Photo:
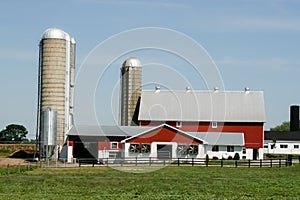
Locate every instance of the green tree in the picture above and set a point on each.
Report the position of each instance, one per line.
(14, 133)
(285, 126)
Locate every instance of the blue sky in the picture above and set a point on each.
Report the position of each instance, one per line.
(254, 44)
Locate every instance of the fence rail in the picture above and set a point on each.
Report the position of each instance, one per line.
(187, 162)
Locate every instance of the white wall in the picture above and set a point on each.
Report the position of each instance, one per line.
(278, 147)
(70, 154)
(222, 153)
(203, 150)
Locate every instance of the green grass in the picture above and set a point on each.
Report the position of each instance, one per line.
(16, 169)
(167, 183)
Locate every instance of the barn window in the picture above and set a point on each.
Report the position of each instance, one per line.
(244, 151)
(214, 125)
(182, 149)
(230, 148)
(146, 148)
(296, 146)
(215, 148)
(193, 149)
(134, 148)
(283, 146)
(178, 124)
(114, 145)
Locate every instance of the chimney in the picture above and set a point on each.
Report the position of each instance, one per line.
(294, 118)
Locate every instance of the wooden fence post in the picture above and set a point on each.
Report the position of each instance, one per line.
(279, 162)
(260, 163)
(192, 161)
(221, 162)
(249, 163)
(178, 163)
(271, 163)
(236, 164)
(149, 161)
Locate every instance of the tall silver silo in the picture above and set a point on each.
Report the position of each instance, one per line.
(131, 89)
(48, 133)
(56, 80)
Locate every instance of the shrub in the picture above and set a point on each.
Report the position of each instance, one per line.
(236, 156)
(229, 158)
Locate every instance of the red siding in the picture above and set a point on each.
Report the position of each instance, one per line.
(253, 132)
(107, 146)
(71, 143)
(164, 134)
(103, 145)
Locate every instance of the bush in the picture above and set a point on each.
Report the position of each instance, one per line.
(229, 158)
(236, 156)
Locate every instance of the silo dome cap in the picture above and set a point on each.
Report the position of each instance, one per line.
(56, 34)
(132, 62)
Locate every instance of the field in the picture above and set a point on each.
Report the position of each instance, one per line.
(167, 183)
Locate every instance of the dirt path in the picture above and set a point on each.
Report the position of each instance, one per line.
(11, 162)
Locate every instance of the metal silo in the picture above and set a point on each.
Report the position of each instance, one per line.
(131, 84)
(56, 80)
(48, 133)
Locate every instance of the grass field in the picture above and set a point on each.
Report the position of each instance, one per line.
(166, 183)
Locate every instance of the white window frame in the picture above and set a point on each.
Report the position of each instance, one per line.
(178, 124)
(111, 145)
(214, 124)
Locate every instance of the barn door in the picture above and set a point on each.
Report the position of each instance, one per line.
(164, 151)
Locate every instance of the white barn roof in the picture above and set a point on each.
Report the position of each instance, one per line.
(218, 138)
(220, 106)
(123, 131)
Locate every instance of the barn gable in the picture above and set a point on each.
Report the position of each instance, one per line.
(164, 133)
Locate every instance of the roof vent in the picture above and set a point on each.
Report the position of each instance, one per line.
(188, 88)
(157, 88)
(247, 90)
(216, 89)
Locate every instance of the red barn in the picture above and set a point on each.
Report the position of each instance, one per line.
(180, 124)
(159, 142)
(208, 111)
